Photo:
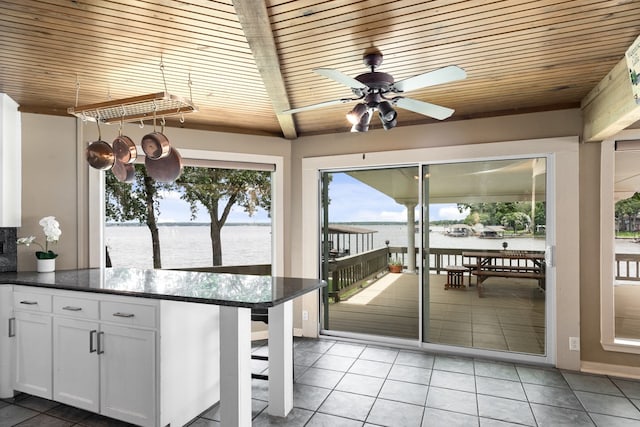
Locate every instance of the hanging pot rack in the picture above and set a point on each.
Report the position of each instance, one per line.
(143, 107)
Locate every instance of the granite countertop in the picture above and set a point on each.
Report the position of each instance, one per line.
(209, 288)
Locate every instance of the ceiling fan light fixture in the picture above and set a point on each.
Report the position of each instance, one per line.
(363, 124)
(387, 113)
(355, 116)
(388, 124)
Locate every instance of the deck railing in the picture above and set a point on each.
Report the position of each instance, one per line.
(628, 267)
(352, 271)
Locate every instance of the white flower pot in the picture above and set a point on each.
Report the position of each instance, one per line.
(45, 265)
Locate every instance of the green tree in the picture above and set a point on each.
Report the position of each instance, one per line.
(627, 212)
(136, 201)
(218, 190)
(516, 220)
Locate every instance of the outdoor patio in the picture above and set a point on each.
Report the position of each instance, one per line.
(510, 316)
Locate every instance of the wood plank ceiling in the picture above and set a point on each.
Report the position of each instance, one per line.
(247, 61)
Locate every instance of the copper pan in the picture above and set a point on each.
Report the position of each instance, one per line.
(166, 169)
(125, 149)
(155, 145)
(124, 172)
(100, 155)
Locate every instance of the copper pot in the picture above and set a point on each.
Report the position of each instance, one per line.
(125, 149)
(100, 155)
(124, 172)
(166, 169)
(155, 146)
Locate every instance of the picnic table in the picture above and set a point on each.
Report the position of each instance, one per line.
(515, 264)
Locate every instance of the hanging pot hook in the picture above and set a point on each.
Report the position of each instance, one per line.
(98, 124)
(155, 109)
(121, 123)
(141, 124)
(181, 117)
(162, 123)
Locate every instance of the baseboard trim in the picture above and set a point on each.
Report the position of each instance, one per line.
(621, 371)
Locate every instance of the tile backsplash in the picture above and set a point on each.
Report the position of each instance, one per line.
(8, 249)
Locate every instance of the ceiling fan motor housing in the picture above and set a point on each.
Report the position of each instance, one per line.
(376, 80)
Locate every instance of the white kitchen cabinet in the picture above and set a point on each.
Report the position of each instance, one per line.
(144, 361)
(6, 341)
(127, 374)
(101, 366)
(10, 163)
(76, 369)
(32, 343)
(33, 372)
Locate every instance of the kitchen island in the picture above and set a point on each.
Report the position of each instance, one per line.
(171, 305)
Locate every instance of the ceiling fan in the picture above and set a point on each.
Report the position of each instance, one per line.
(375, 91)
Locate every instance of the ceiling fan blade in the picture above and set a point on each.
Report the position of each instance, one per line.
(430, 78)
(425, 108)
(320, 105)
(340, 77)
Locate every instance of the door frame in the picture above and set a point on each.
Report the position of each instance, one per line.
(563, 232)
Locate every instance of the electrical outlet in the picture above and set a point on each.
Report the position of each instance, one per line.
(574, 343)
(305, 315)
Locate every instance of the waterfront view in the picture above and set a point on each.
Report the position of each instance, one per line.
(245, 244)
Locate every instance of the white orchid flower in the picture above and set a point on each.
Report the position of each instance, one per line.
(52, 233)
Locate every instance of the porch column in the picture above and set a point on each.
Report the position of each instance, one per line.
(411, 237)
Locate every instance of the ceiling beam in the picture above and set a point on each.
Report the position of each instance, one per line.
(610, 106)
(254, 19)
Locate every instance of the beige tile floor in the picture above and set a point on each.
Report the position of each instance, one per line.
(510, 316)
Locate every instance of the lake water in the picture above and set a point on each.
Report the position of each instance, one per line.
(190, 246)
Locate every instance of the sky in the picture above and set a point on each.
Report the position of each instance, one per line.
(351, 201)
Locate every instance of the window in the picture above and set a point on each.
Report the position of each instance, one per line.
(208, 217)
(620, 240)
(269, 227)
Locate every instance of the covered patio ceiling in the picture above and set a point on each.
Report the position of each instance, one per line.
(467, 182)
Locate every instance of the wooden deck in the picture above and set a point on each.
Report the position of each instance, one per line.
(389, 307)
(510, 317)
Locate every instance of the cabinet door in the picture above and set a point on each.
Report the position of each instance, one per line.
(128, 374)
(76, 368)
(33, 354)
(6, 341)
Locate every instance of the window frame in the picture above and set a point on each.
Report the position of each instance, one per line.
(96, 203)
(607, 249)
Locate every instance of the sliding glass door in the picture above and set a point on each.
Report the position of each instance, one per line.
(369, 253)
(485, 248)
(450, 254)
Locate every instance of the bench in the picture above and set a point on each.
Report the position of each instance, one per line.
(484, 274)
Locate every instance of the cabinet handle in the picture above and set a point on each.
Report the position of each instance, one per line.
(92, 334)
(71, 308)
(12, 327)
(29, 302)
(100, 343)
(118, 314)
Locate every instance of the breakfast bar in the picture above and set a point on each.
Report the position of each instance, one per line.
(233, 294)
